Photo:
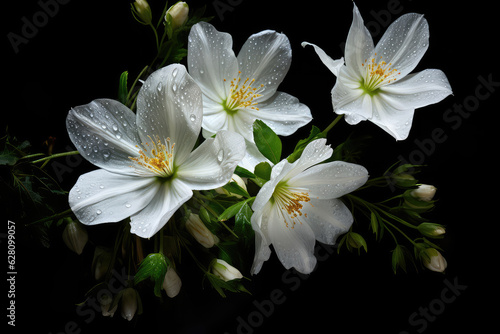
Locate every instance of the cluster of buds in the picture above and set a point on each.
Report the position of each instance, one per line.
(175, 16)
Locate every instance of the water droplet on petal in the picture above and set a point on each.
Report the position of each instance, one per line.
(220, 155)
(174, 87)
(128, 205)
(115, 128)
(192, 117)
(98, 212)
(159, 86)
(174, 72)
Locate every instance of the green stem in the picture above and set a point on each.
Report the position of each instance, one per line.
(56, 216)
(58, 155)
(332, 124)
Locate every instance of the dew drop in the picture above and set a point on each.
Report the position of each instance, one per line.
(115, 128)
(220, 155)
(174, 72)
(174, 87)
(159, 87)
(192, 117)
(98, 212)
(128, 205)
(106, 154)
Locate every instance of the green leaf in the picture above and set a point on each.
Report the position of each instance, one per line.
(267, 141)
(154, 266)
(263, 171)
(123, 88)
(242, 172)
(301, 145)
(243, 226)
(234, 188)
(233, 210)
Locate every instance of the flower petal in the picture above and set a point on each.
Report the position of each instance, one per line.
(262, 249)
(265, 57)
(348, 99)
(314, 153)
(404, 43)
(333, 65)
(169, 105)
(170, 196)
(294, 246)
(328, 219)
(418, 90)
(211, 60)
(212, 164)
(105, 133)
(283, 113)
(395, 121)
(359, 45)
(104, 197)
(331, 180)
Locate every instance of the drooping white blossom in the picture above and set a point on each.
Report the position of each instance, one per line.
(300, 204)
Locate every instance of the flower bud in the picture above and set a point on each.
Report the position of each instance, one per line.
(142, 11)
(431, 230)
(172, 283)
(105, 300)
(129, 303)
(200, 232)
(75, 236)
(424, 192)
(101, 262)
(179, 13)
(225, 271)
(433, 260)
(239, 181)
(355, 240)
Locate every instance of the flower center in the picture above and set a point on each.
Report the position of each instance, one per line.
(241, 95)
(377, 75)
(158, 157)
(290, 200)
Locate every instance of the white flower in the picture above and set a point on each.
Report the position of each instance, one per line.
(239, 90)
(148, 169)
(300, 204)
(375, 83)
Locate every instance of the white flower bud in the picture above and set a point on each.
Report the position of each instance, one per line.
(101, 262)
(433, 260)
(179, 13)
(172, 283)
(238, 180)
(424, 192)
(75, 236)
(225, 271)
(129, 303)
(200, 232)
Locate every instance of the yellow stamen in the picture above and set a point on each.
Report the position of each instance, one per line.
(377, 74)
(290, 202)
(242, 95)
(158, 158)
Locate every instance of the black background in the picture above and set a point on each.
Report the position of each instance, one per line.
(77, 56)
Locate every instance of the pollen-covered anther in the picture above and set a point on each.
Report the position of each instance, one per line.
(290, 201)
(242, 94)
(158, 157)
(378, 73)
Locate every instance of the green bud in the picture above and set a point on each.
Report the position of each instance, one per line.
(433, 260)
(154, 266)
(398, 258)
(355, 240)
(431, 230)
(142, 12)
(75, 236)
(178, 13)
(225, 271)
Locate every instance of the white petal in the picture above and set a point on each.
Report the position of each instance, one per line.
(104, 197)
(328, 219)
(395, 121)
(262, 250)
(252, 157)
(404, 43)
(169, 105)
(359, 45)
(294, 246)
(418, 90)
(283, 113)
(105, 133)
(211, 60)
(212, 164)
(170, 196)
(331, 180)
(265, 57)
(314, 153)
(333, 65)
(347, 98)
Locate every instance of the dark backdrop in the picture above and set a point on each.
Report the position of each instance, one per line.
(77, 54)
